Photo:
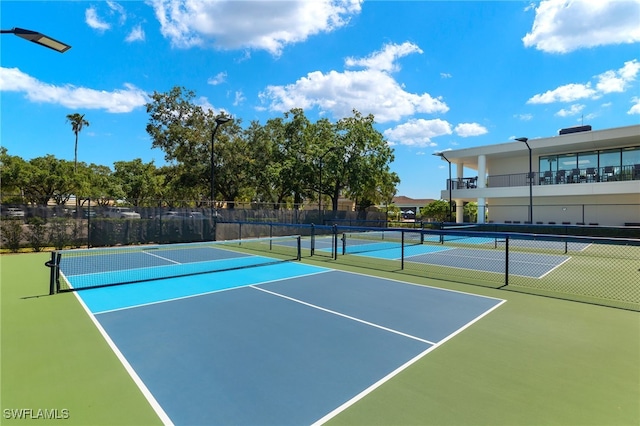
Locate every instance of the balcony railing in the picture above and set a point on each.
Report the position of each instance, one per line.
(586, 175)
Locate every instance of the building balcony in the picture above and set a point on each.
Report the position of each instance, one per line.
(560, 177)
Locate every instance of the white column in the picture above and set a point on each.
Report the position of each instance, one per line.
(482, 171)
(481, 210)
(459, 211)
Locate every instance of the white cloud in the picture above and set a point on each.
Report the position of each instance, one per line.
(92, 19)
(262, 25)
(69, 96)
(575, 109)
(524, 117)
(566, 93)
(385, 59)
(136, 34)
(370, 91)
(608, 82)
(417, 132)
(239, 98)
(219, 78)
(635, 108)
(117, 8)
(618, 81)
(445, 75)
(562, 26)
(470, 129)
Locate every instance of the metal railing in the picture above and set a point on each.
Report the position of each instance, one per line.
(583, 175)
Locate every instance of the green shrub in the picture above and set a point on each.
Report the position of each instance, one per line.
(36, 234)
(11, 234)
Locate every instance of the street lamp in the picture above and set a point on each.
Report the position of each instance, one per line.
(441, 155)
(333, 148)
(38, 38)
(524, 140)
(219, 120)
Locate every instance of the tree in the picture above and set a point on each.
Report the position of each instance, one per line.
(139, 181)
(360, 164)
(437, 210)
(182, 130)
(471, 211)
(77, 124)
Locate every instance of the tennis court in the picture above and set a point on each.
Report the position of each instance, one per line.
(282, 343)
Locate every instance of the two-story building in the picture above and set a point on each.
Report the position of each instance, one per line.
(581, 176)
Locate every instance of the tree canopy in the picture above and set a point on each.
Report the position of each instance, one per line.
(288, 160)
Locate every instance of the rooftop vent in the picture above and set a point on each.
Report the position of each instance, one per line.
(575, 129)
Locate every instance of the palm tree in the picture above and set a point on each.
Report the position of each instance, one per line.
(77, 124)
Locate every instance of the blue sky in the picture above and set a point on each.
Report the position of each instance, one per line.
(436, 75)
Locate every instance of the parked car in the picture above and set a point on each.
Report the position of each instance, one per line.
(85, 213)
(12, 212)
(189, 215)
(121, 213)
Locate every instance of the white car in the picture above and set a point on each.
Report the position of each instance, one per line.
(12, 212)
(122, 213)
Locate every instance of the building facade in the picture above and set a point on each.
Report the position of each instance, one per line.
(580, 177)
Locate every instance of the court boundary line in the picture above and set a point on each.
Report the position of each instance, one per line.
(161, 257)
(398, 370)
(340, 314)
(206, 293)
(157, 408)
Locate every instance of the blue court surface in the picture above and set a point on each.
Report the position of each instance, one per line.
(284, 344)
(533, 265)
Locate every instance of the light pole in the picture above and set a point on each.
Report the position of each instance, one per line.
(441, 155)
(38, 38)
(525, 141)
(333, 148)
(219, 120)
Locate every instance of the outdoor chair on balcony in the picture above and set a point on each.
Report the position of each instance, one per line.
(561, 176)
(592, 176)
(636, 172)
(608, 174)
(547, 179)
(575, 176)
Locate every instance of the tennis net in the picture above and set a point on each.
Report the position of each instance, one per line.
(365, 241)
(99, 267)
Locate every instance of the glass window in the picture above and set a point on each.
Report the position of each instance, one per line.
(549, 163)
(631, 156)
(567, 162)
(587, 160)
(610, 158)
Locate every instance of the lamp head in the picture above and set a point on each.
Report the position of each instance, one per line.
(223, 119)
(522, 139)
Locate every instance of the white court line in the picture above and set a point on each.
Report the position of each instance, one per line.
(132, 373)
(343, 315)
(207, 292)
(161, 257)
(398, 370)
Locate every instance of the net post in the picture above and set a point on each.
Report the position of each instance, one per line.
(344, 243)
(506, 261)
(299, 242)
(402, 250)
(313, 239)
(57, 269)
(51, 264)
(335, 242)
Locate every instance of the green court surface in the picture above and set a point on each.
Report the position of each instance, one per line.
(533, 361)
